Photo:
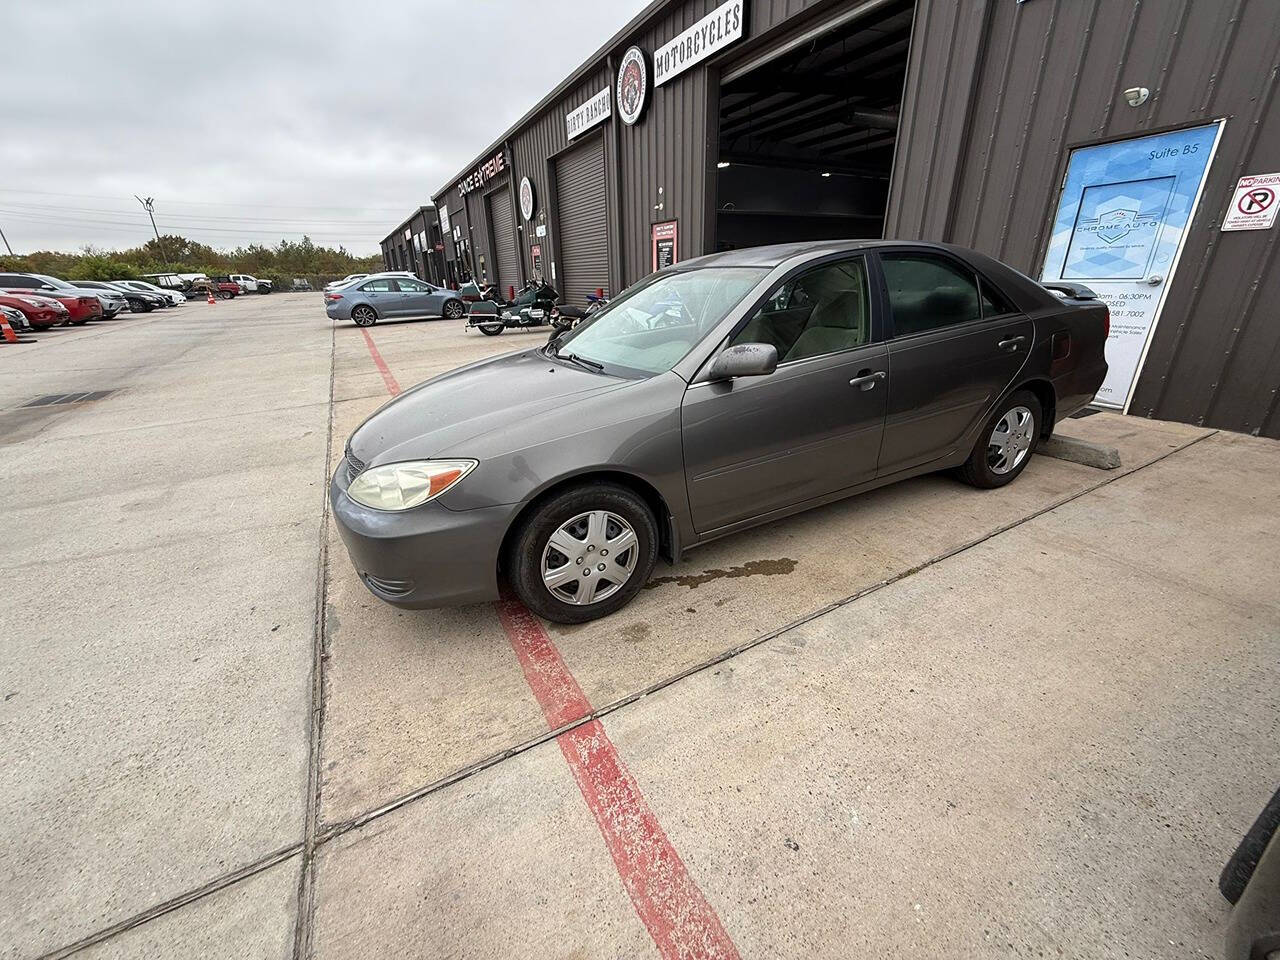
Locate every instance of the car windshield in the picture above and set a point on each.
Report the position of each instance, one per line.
(651, 327)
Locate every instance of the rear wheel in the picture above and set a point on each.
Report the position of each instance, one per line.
(364, 316)
(225, 295)
(1006, 443)
(491, 329)
(584, 553)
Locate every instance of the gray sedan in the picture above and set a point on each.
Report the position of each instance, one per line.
(715, 395)
(387, 296)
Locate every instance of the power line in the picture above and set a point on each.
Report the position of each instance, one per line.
(210, 203)
(57, 210)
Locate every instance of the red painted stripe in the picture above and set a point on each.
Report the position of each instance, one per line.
(666, 898)
(393, 387)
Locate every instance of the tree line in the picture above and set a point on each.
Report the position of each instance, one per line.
(280, 263)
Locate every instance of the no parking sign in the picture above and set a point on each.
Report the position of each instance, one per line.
(1254, 204)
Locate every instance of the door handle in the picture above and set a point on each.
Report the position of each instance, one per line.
(866, 379)
(1012, 343)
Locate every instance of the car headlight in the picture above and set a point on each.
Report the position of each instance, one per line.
(402, 486)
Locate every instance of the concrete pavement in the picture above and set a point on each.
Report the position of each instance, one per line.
(927, 720)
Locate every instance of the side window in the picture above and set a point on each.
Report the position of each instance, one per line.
(413, 286)
(381, 285)
(994, 303)
(927, 293)
(10, 280)
(823, 310)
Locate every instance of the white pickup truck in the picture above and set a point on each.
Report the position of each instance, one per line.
(250, 284)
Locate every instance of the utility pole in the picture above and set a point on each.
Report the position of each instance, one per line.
(6, 243)
(150, 206)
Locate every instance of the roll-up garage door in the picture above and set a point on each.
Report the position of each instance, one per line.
(583, 222)
(503, 233)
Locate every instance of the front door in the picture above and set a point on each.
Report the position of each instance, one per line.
(415, 298)
(754, 445)
(956, 346)
(1124, 211)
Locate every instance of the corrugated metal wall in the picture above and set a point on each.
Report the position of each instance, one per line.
(670, 147)
(998, 92)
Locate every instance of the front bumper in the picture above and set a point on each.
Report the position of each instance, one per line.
(429, 556)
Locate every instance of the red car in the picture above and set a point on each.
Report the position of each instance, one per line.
(41, 312)
(80, 309)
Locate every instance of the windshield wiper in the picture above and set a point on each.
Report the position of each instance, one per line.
(574, 358)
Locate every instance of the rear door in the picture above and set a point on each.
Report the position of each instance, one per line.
(956, 346)
(383, 295)
(754, 445)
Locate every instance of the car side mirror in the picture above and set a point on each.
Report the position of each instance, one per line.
(744, 360)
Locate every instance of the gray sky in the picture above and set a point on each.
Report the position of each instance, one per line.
(249, 121)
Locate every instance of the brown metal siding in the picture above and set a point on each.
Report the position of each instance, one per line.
(670, 147)
(996, 94)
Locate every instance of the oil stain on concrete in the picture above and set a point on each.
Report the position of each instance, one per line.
(752, 568)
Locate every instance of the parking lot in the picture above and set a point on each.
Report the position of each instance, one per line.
(928, 721)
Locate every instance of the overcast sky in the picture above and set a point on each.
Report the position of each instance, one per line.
(249, 121)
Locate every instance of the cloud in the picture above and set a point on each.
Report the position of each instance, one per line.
(248, 121)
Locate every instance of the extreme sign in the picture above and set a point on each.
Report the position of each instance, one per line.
(483, 173)
(595, 110)
(1254, 204)
(719, 28)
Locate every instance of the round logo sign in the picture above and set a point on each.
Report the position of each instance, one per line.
(633, 85)
(526, 198)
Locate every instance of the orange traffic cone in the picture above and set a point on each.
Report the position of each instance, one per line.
(7, 331)
(212, 302)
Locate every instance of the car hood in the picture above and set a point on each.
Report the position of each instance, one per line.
(438, 417)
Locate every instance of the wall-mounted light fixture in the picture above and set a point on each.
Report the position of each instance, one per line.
(826, 173)
(1136, 96)
(722, 164)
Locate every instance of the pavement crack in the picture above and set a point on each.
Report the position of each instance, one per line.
(305, 912)
(174, 903)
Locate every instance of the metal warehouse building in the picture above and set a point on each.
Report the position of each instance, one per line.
(416, 246)
(1130, 145)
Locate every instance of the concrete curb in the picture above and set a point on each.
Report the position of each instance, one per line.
(1080, 451)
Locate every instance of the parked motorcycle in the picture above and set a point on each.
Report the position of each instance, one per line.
(565, 317)
(531, 307)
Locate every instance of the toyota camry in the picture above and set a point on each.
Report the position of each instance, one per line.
(712, 396)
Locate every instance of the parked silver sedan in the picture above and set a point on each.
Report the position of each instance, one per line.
(391, 296)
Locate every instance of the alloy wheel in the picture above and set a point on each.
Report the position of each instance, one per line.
(452, 310)
(590, 557)
(1010, 441)
(363, 316)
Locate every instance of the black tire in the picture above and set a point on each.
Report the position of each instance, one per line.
(364, 316)
(524, 559)
(978, 471)
(1236, 874)
(225, 294)
(453, 310)
(491, 329)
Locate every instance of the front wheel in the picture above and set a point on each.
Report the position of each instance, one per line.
(364, 316)
(453, 310)
(491, 329)
(1006, 443)
(584, 553)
